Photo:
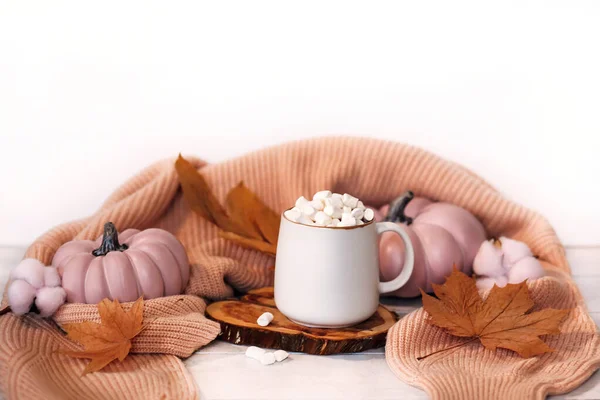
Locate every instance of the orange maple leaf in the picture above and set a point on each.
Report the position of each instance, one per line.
(499, 321)
(110, 339)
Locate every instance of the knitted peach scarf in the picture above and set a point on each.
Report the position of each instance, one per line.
(375, 171)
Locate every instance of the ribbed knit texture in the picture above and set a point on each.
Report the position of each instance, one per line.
(376, 172)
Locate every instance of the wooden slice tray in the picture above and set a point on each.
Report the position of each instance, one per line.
(238, 326)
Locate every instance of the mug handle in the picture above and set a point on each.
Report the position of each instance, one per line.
(409, 257)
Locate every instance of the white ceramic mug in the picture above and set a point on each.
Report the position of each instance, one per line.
(329, 277)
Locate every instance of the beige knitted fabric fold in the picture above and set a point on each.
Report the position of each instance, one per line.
(470, 372)
(375, 171)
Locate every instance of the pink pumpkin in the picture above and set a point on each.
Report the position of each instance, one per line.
(442, 235)
(150, 263)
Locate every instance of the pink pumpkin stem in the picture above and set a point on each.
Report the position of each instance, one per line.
(110, 241)
(398, 207)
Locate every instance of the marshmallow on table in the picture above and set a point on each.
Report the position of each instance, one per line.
(281, 355)
(265, 319)
(255, 352)
(264, 357)
(268, 359)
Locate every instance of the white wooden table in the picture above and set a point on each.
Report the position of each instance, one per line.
(222, 371)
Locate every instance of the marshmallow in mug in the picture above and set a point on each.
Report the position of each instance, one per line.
(331, 210)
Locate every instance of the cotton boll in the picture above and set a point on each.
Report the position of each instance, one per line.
(488, 283)
(49, 299)
(485, 283)
(514, 251)
(51, 277)
(30, 270)
(501, 281)
(20, 296)
(527, 268)
(488, 261)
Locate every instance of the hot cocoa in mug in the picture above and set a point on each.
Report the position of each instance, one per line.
(328, 276)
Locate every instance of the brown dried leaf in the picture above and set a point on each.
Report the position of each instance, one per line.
(269, 224)
(499, 321)
(247, 243)
(247, 222)
(246, 209)
(110, 339)
(241, 208)
(198, 194)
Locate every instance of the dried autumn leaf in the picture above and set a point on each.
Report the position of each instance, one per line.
(110, 339)
(247, 221)
(249, 243)
(248, 210)
(241, 208)
(198, 194)
(499, 321)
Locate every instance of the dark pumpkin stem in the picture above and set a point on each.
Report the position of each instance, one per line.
(110, 241)
(397, 208)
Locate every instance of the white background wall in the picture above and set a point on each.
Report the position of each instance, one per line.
(92, 92)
